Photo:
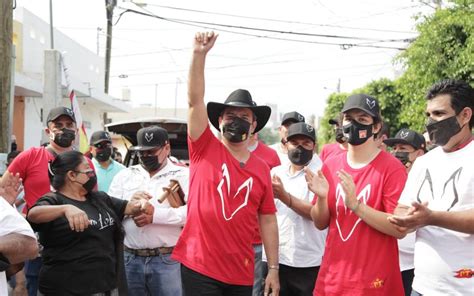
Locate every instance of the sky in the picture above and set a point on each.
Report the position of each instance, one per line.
(292, 53)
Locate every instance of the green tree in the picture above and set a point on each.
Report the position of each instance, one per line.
(443, 49)
(268, 136)
(390, 100)
(333, 108)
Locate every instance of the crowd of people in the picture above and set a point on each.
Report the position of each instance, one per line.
(368, 215)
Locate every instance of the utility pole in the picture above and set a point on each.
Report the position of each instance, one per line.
(6, 33)
(51, 27)
(109, 9)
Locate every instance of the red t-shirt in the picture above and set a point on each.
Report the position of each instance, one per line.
(32, 165)
(270, 157)
(223, 203)
(359, 260)
(330, 150)
(267, 154)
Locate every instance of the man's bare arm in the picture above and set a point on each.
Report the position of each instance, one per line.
(197, 114)
(18, 247)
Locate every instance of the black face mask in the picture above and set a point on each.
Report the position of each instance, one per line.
(90, 184)
(442, 131)
(300, 155)
(103, 154)
(237, 130)
(65, 139)
(357, 133)
(403, 157)
(340, 138)
(150, 163)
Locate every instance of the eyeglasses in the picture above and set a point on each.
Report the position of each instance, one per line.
(102, 145)
(88, 173)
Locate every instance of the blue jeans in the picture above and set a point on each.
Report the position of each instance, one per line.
(152, 276)
(32, 269)
(415, 293)
(259, 272)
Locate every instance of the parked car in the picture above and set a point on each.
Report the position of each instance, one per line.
(177, 131)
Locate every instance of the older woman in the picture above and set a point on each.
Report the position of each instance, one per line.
(80, 230)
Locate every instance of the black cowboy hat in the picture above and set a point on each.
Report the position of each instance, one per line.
(239, 98)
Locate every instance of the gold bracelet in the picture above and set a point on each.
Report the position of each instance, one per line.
(289, 204)
(273, 267)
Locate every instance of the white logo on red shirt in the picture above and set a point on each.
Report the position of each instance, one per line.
(346, 216)
(246, 185)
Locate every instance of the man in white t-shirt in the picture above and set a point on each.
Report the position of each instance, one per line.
(438, 199)
(287, 120)
(301, 245)
(17, 240)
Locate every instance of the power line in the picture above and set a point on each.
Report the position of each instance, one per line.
(282, 21)
(210, 26)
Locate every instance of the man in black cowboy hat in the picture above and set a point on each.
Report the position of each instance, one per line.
(230, 189)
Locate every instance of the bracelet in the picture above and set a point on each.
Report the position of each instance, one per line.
(289, 204)
(273, 267)
(356, 207)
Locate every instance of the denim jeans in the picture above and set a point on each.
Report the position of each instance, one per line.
(259, 272)
(32, 269)
(152, 276)
(415, 293)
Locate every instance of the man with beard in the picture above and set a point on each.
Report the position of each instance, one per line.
(150, 239)
(105, 167)
(32, 167)
(438, 199)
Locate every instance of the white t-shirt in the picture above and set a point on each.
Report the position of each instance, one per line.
(11, 222)
(301, 243)
(406, 250)
(167, 223)
(446, 181)
(283, 155)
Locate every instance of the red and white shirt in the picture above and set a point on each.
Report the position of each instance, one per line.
(223, 203)
(331, 150)
(358, 259)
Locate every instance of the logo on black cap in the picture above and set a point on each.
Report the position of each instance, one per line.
(370, 103)
(404, 134)
(148, 137)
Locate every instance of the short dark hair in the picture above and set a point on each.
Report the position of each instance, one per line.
(11, 156)
(460, 92)
(63, 163)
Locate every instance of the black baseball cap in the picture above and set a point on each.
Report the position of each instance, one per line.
(150, 137)
(100, 136)
(407, 137)
(57, 112)
(301, 129)
(363, 102)
(292, 116)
